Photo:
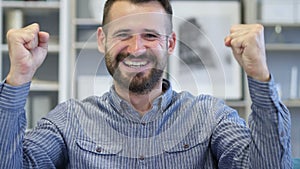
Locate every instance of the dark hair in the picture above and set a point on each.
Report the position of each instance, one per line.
(165, 4)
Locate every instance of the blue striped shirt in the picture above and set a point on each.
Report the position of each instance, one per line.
(181, 131)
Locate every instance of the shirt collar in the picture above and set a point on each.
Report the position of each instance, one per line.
(160, 104)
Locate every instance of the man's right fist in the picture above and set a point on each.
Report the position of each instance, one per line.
(27, 50)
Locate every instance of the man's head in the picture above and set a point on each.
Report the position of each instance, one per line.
(137, 39)
(164, 3)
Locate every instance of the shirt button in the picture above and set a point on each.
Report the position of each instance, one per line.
(143, 123)
(186, 146)
(99, 149)
(141, 158)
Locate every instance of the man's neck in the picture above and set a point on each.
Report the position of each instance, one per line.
(141, 102)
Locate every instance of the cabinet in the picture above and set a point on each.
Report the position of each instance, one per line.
(50, 83)
(90, 75)
(281, 20)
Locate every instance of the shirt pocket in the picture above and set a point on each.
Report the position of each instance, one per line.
(191, 141)
(100, 148)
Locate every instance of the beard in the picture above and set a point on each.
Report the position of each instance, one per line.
(138, 83)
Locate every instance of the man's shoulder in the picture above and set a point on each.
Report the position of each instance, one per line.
(200, 98)
(202, 104)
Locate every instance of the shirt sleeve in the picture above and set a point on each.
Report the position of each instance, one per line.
(270, 126)
(43, 147)
(12, 124)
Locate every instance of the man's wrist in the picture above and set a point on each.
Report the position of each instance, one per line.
(14, 81)
(263, 94)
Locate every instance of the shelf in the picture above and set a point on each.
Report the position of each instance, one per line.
(87, 22)
(279, 24)
(283, 47)
(86, 45)
(289, 103)
(31, 4)
(52, 48)
(237, 103)
(292, 103)
(38, 85)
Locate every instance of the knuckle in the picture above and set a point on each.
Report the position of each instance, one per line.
(31, 35)
(10, 33)
(234, 42)
(259, 27)
(233, 28)
(253, 36)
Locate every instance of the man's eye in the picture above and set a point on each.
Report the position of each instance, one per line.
(123, 36)
(150, 36)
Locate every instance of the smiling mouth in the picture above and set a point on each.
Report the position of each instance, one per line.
(134, 64)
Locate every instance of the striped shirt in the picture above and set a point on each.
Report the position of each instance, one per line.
(181, 131)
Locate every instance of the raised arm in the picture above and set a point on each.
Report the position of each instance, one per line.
(270, 120)
(27, 50)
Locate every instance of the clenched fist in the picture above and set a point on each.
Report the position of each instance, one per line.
(27, 50)
(248, 46)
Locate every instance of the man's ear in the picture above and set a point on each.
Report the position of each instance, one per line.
(101, 40)
(171, 43)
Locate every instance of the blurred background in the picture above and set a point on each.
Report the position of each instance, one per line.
(75, 69)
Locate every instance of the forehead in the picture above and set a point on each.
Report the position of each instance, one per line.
(126, 15)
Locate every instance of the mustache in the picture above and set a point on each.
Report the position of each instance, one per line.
(121, 56)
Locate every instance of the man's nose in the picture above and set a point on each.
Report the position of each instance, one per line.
(136, 45)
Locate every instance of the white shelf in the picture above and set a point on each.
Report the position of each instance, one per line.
(240, 104)
(53, 48)
(87, 22)
(283, 47)
(86, 45)
(292, 103)
(279, 24)
(236, 103)
(31, 4)
(38, 85)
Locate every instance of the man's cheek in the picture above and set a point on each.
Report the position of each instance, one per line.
(115, 45)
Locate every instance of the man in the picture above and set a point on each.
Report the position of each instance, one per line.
(141, 122)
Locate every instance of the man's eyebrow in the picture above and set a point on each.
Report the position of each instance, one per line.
(153, 31)
(121, 31)
(129, 31)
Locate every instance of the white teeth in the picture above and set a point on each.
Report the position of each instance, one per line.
(135, 64)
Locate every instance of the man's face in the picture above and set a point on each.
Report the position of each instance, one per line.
(136, 45)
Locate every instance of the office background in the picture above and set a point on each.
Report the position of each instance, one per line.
(75, 69)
